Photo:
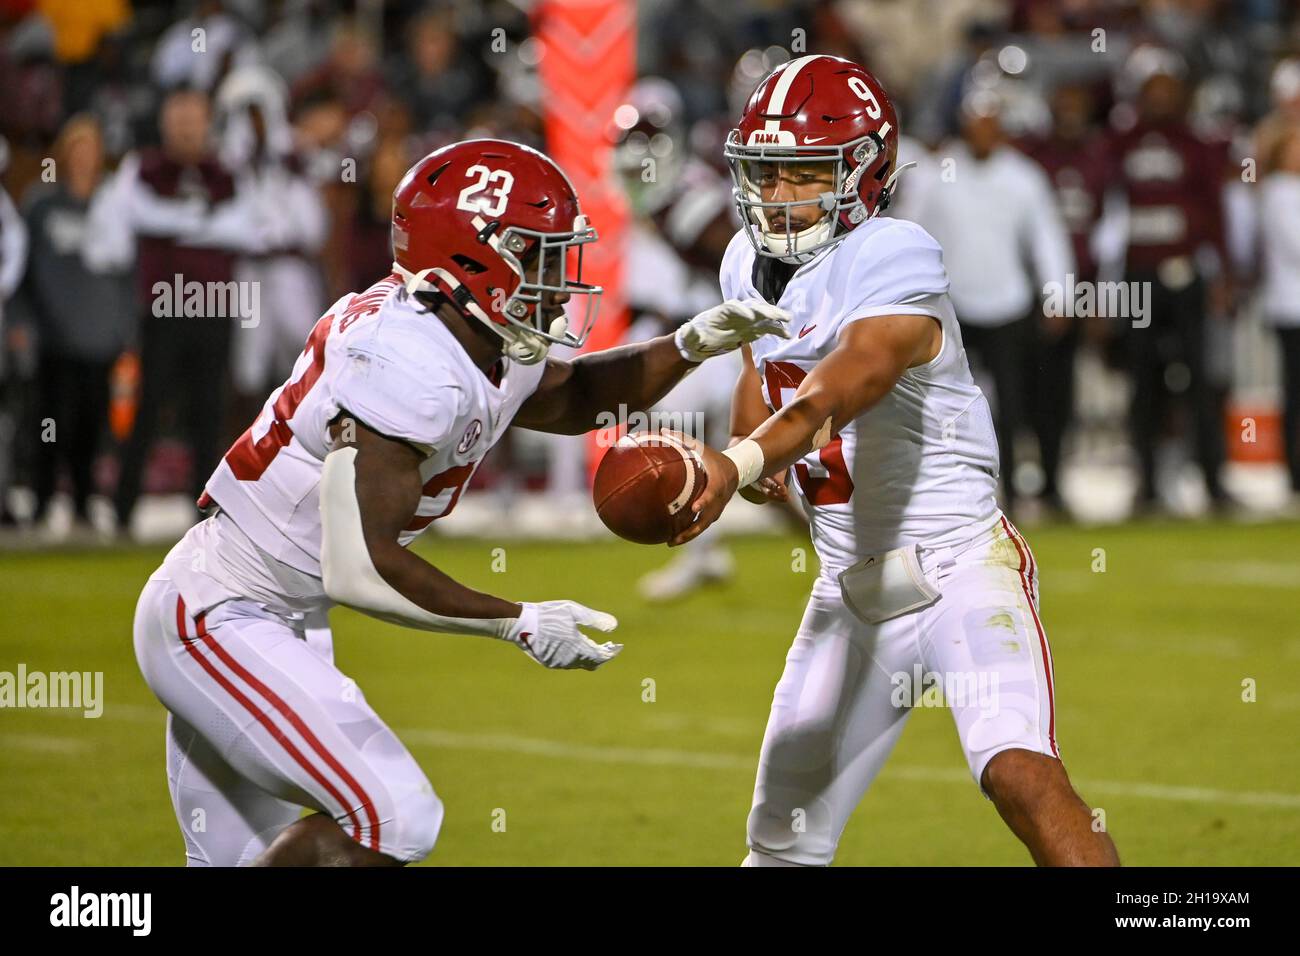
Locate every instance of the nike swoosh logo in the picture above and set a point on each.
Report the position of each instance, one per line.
(809, 140)
(807, 329)
(523, 638)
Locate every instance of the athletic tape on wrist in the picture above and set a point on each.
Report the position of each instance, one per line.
(748, 459)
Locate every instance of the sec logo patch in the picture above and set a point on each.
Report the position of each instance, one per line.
(471, 436)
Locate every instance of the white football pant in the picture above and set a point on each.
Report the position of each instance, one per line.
(261, 724)
(849, 686)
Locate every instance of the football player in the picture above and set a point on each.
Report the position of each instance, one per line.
(398, 395)
(872, 403)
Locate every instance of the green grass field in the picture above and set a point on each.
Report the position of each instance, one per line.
(1150, 660)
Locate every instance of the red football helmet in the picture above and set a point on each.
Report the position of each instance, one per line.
(815, 109)
(469, 217)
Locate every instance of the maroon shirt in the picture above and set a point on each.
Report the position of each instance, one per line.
(1077, 169)
(1173, 180)
(162, 258)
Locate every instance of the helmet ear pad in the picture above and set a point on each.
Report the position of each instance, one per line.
(869, 186)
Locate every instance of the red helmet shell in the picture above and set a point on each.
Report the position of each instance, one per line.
(467, 215)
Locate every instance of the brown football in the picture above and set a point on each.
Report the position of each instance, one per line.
(645, 486)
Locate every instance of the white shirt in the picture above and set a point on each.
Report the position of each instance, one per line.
(1002, 235)
(922, 464)
(1279, 220)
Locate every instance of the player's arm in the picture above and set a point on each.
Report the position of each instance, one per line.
(871, 355)
(748, 411)
(370, 487)
(573, 393)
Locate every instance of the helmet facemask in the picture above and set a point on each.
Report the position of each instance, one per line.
(553, 267)
(547, 265)
(837, 204)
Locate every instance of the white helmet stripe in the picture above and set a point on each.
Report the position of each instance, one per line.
(776, 103)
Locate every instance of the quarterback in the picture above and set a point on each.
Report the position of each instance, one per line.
(400, 392)
(871, 402)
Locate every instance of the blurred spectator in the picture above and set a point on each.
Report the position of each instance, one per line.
(937, 105)
(1073, 156)
(33, 84)
(178, 203)
(78, 27)
(366, 241)
(298, 37)
(13, 242)
(1172, 182)
(124, 107)
(908, 44)
(995, 216)
(1280, 227)
(199, 50)
(1284, 116)
(440, 81)
(80, 318)
(13, 261)
(257, 146)
(350, 75)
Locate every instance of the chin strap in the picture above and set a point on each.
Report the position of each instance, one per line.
(887, 190)
(815, 234)
(522, 346)
(800, 258)
(889, 183)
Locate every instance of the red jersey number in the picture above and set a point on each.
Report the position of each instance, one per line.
(833, 488)
(249, 459)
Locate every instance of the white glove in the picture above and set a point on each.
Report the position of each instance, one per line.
(548, 633)
(727, 326)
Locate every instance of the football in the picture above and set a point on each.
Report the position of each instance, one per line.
(645, 486)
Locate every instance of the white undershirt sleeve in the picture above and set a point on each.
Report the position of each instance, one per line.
(349, 574)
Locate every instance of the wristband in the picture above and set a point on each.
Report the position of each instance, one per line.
(526, 624)
(747, 456)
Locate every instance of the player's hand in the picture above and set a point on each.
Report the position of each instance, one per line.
(721, 478)
(548, 633)
(772, 488)
(727, 326)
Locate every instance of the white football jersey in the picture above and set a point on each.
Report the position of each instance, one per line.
(385, 359)
(920, 466)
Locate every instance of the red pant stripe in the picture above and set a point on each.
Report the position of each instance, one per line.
(1027, 563)
(258, 714)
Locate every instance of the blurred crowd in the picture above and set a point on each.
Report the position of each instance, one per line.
(1057, 145)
